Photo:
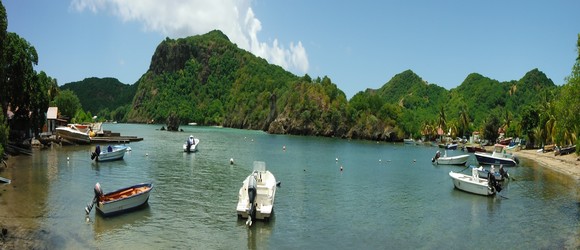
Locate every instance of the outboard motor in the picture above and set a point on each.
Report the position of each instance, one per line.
(437, 155)
(504, 174)
(493, 183)
(96, 153)
(252, 198)
(98, 190)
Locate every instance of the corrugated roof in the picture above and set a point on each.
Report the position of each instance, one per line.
(52, 113)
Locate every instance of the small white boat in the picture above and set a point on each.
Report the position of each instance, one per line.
(473, 184)
(120, 201)
(190, 144)
(112, 153)
(74, 133)
(449, 160)
(409, 141)
(498, 157)
(256, 196)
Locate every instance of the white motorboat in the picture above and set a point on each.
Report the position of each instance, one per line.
(119, 201)
(449, 160)
(190, 144)
(112, 153)
(473, 184)
(257, 202)
(75, 133)
(498, 157)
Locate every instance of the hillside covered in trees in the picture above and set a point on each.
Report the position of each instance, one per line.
(208, 80)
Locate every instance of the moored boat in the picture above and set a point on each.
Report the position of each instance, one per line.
(73, 134)
(498, 157)
(449, 160)
(120, 201)
(408, 141)
(473, 184)
(256, 196)
(112, 153)
(190, 144)
(564, 150)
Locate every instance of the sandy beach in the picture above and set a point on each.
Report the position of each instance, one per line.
(567, 164)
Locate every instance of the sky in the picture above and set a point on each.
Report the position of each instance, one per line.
(357, 44)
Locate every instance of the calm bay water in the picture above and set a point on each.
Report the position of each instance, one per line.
(388, 196)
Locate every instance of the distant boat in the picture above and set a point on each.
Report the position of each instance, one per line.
(190, 144)
(498, 157)
(449, 160)
(260, 204)
(112, 153)
(409, 141)
(192, 124)
(473, 184)
(120, 201)
(564, 150)
(4, 180)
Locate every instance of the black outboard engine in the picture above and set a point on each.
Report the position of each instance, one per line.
(492, 182)
(252, 198)
(504, 174)
(188, 146)
(96, 153)
(437, 155)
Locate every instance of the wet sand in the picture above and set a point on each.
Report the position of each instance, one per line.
(567, 164)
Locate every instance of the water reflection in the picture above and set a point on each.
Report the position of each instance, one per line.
(259, 233)
(105, 227)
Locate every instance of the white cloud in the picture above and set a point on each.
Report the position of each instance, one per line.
(181, 18)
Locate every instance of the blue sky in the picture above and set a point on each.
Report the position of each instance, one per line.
(358, 44)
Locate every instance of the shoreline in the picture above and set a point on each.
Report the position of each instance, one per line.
(566, 164)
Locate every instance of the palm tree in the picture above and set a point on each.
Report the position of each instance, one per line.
(463, 119)
(442, 122)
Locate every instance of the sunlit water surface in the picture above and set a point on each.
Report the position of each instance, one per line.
(388, 196)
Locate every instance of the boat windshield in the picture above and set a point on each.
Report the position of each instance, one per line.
(259, 166)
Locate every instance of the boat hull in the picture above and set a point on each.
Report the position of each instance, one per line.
(470, 184)
(125, 199)
(73, 136)
(486, 159)
(452, 160)
(265, 195)
(117, 154)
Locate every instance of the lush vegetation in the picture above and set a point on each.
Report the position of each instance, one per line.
(108, 98)
(208, 80)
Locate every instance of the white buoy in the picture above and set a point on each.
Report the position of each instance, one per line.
(67, 158)
(231, 161)
(146, 154)
(284, 147)
(340, 168)
(336, 158)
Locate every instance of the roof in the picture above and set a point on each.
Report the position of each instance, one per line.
(52, 113)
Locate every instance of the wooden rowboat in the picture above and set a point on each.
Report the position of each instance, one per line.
(122, 200)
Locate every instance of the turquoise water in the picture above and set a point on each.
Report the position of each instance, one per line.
(388, 196)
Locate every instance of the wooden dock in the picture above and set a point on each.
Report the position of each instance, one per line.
(115, 139)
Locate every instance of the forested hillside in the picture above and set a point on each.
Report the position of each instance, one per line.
(103, 96)
(208, 80)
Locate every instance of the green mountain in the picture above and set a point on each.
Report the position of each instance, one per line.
(209, 80)
(99, 94)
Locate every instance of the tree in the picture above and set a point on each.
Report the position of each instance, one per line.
(490, 128)
(463, 119)
(68, 103)
(442, 122)
(530, 120)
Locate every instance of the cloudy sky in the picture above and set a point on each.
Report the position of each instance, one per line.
(358, 44)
